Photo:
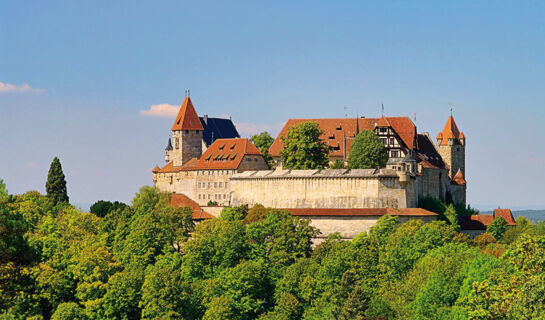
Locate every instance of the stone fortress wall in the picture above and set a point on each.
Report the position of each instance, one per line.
(330, 188)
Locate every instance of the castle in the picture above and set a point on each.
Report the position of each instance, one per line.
(208, 165)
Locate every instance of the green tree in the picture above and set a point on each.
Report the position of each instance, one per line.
(303, 148)
(69, 311)
(247, 287)
(263, 142)
(3, 192)
(497, 228)
(56, 183)
(215, 245)
(101, 208)
(382, 230)
(167, 294)
(367, 151)
(452, 217)
(280, 238)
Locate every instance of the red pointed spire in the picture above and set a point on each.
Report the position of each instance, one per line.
(450, 131)
(187, 118)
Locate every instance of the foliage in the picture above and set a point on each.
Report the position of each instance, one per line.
(303, 148)
(149, 261)
(263, 142)
(3, 192)
(367, 151)
(497, 228)
(212, 203)
(56, 183)
(337, 164)
(101, 208)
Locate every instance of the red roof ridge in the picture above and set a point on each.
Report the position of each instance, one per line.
(359, 212)
(187, 118)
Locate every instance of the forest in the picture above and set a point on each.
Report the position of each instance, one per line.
(148, 260)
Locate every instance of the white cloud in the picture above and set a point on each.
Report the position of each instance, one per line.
(247, 129)
(161, 110)
(8, 87)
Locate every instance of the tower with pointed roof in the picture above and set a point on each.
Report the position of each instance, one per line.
(451, 144)
(187, 135)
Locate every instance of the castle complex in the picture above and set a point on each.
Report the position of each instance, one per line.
(208, 163)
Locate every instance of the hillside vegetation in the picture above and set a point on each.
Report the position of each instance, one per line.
(149, 261)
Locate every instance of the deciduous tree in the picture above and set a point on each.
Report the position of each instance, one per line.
(303, 148)
(367, 151)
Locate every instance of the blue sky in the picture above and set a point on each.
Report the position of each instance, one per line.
(91, 67)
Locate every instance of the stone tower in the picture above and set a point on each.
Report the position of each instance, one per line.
(451, 144)
(187, 133)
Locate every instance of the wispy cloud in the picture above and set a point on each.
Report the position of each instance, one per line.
(161, 110)
(12, 88)
(247, 129)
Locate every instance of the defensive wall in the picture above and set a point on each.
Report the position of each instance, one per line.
(330, 188)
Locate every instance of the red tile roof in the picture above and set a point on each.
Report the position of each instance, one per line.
(481, 221)
(459, 178)
(360, 212)
(506, 214)
(450, 131)
(341, 131)
(156, 169)
(475, 222)
(226, 154)
(181, 200)
(169, 167)
(187, 118)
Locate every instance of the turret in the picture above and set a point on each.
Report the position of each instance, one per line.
(168, 150)
(451, 145)
(187, 133)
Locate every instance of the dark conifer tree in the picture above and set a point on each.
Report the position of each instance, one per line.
(55, 186)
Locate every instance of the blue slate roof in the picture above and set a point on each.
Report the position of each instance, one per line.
(217, 128)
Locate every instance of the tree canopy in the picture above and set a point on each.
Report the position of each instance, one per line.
(56, 184)
(303, 148)
(263, 142)
(367, 151)
(148, 261)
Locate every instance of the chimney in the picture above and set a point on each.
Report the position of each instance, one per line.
(205, 118)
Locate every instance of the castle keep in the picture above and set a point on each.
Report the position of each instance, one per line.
(209, 166)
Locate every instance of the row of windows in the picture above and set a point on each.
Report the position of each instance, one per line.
(209, 184)
(209, 196)
(214, 172)
(385, 141)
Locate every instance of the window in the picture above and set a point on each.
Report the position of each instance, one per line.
(187, 131)
(198, 185)
(382, 130)
(208, 185)
(383, 141)
(395, 154)
(215, 184)
(226, 184)
(219, 184)
(177, 143)
(391, 141)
